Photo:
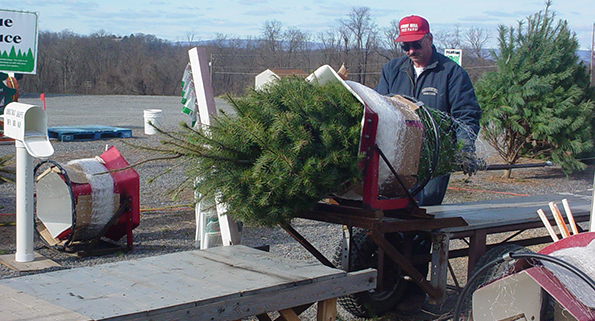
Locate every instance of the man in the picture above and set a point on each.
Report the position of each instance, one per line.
(439, 83)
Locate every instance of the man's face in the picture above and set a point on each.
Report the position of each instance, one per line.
(419, 51)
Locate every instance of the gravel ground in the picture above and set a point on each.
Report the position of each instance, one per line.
(168, 225)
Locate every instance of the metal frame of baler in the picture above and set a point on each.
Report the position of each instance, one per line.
(383, 216)
(379, 216)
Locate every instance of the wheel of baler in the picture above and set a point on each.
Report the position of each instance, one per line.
(364, 254)
(495, 272)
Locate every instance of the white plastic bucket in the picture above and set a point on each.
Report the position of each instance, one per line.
(152, 116)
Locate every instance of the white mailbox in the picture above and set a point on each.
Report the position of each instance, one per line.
(28, 124)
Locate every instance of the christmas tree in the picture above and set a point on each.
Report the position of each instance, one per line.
(286, 147)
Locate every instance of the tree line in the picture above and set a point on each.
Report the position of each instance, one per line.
(536, 97)
(140, 64)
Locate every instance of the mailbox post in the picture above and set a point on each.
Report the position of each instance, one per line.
(27, 125)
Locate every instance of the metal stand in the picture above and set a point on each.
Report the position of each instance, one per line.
(379, 223)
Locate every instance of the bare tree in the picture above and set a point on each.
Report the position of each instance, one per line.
(477, 38)
(296, 47)
(103, 63)
(360, 39)
(390, 34)
(449, 39)
(272, 41)
(331, 50)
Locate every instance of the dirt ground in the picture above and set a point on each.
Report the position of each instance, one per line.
(483, 186)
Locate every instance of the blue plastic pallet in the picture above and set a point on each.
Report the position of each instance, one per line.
(87, 132)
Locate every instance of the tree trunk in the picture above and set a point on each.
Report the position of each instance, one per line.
(507, 173)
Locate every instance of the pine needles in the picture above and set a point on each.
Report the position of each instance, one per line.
(284, 149)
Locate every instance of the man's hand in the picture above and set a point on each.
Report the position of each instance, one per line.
(470, 163)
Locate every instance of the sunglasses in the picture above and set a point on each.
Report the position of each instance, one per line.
(406, 46)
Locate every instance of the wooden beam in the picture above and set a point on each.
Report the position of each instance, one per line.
(327, 310)
(205, 100)
(260, 301)
(202, 84)
(405, 265)
(289, 315)
(439, 271)
(477, 247)
(547, 225)
(571, 221)
(559, 220)
(298, 310)
(307, 245)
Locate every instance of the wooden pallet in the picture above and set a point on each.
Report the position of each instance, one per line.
(87, 132)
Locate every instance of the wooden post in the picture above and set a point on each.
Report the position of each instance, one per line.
(206, 108)
(547, 225)
(440, 246)
(571, 221)
(327, 310)
(559, 220)
(289, 315)
(477, 247)
(202, 84)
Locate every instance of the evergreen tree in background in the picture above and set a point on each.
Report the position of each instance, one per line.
(539, 102)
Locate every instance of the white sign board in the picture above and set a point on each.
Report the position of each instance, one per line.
(18, 41)
(455, 54)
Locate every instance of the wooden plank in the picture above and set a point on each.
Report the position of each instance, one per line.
(91, 294)
(248, 258)
(298, 310)
(137, 287)
(388, 225)
(16, 305)
(39, 263)
(439, 271)
(202, 84)
(506, 212)
(260, 302)
(477, 247)
(289, 315)
(559, 220)
(570, 217)
(327, 310)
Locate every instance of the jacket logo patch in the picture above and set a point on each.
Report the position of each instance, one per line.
(429, 91)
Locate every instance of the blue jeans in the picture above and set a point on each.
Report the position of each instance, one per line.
(433, 192)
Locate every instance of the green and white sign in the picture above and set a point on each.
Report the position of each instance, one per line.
(455, 54)
(18, 41)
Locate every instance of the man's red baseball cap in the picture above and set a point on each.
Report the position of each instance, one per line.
(412, 28)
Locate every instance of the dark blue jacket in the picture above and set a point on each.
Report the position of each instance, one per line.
(443, 85)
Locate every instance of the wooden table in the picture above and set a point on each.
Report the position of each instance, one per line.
(516, 214)
(224, 283)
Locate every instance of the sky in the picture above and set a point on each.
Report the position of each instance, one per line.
(183, 20)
